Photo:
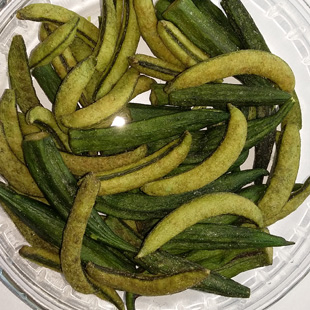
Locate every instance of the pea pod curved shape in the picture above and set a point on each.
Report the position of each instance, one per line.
(211, 168)
(195, 211)
(240, 62)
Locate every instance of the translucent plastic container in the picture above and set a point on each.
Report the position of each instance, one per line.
(286, 27)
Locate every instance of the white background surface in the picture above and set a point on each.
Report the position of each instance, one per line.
(297, 299)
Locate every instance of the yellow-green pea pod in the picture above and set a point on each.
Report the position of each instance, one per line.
(14, 171)
(108, 35)
(80, 49)
(294, 202)
(143, 85)
(147, 169)
(211, 168)
(107, 293)
(283, 177)
(41, 256)
(26, 128)
(72, 88)
(105, 107)
(120, 63)
(54, 44)
(240, 62)
(46, 12)
(143, 161)
(46, 117)
(119, 10)
(122, 15)
(195, 211)
(181, 47)
(146, 284)
(10, 121)
(30, 236)
(81, 165)
(70, 253)
(147, 21)
(20, 77)
(294, 115)
(154, 67)
(64, 62)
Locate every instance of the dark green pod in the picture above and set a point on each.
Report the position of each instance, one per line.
(117, 139)
(139, 206)
(59, 185)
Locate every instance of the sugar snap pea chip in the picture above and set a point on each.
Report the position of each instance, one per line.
(81, 165)
(46, 12)
(19, 73)
(154, 67)
(144, 84)
(108, 293)
(295, 200)
(150, 169)
(240, 62)
(105, 107)
(108, 35)
(70, 255)
(120, 61)
(54, 44)
(195, 211)
(147, 21)
(26, 128)
(14, 171)
(44, 116)
(41, 256)
(180, 46)
(211, 168)
(10, 121)
(64, 62)
(71, 89)
(285, 172)
(146, 284)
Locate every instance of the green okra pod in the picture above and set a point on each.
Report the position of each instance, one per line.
(48, 225)
(116, 139)
(139, 206)
(59, 185)
(204, 32)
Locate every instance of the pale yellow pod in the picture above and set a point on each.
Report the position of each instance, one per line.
(151, 170)
(10, 121)
(70, 254)
(147, 20)
(294, 202)
(81, 165)
(181, 47)
(195, 211)
(72, 88)
(120, 62)
(14, 171)
(284, 174)
(46, 117)
(54, 44)
(57, 14)
(106, 106)
(240, 62)
(108, 35)
(154, 67)
(211, 168)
